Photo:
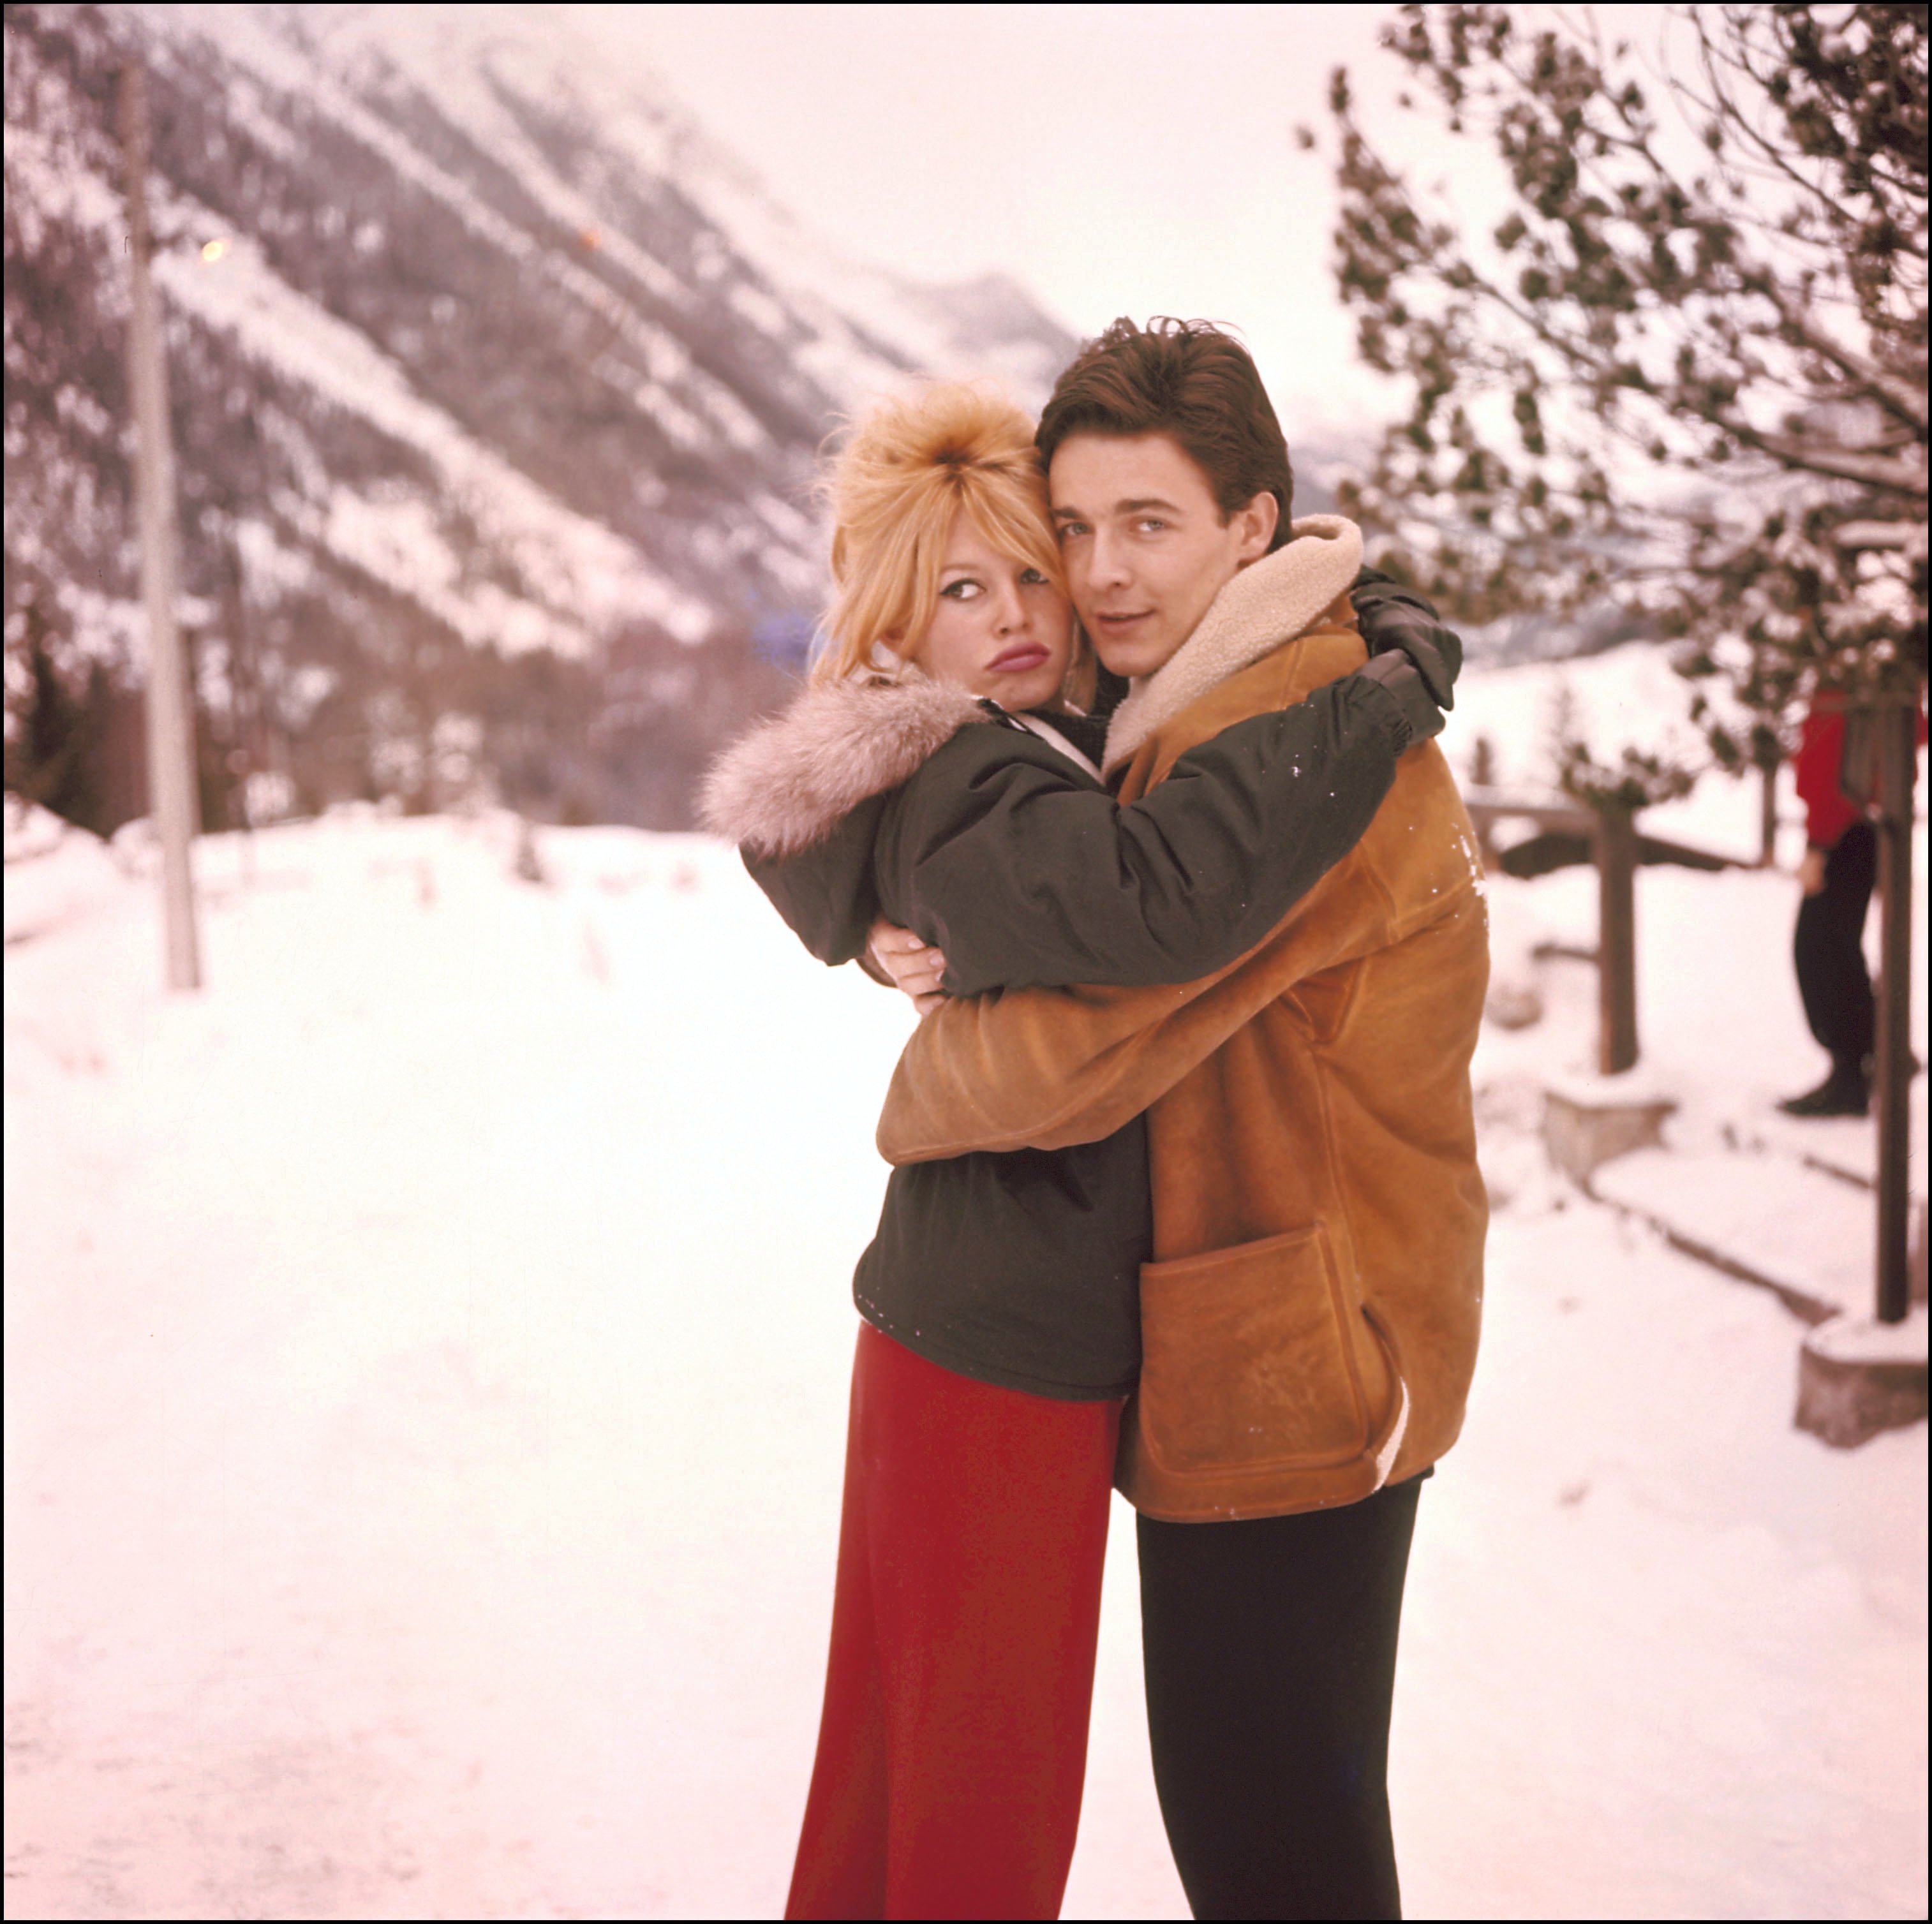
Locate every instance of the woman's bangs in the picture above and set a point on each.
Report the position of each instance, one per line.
(1012, 516)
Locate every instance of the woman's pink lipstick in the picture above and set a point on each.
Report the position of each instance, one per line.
(1017, 661)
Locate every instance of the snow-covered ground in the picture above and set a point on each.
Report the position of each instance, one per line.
(425, 1354)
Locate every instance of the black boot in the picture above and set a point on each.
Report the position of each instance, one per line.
(1846, 1091)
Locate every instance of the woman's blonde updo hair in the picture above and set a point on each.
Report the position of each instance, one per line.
(908, 467)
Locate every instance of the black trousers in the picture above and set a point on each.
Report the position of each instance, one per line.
(1828, 949)
(1270, 1647)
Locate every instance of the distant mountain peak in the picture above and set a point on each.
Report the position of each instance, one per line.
(498, 350)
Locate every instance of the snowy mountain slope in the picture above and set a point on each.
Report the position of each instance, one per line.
(476, 344)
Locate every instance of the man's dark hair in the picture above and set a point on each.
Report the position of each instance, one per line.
(1185, 378)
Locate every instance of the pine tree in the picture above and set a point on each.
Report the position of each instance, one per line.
(1687, 369)
(50, 747)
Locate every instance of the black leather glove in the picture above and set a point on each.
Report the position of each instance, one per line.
(1421, 647)
(1392, 617)
(1398, 676)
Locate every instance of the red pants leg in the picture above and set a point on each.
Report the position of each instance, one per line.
(953, 1746)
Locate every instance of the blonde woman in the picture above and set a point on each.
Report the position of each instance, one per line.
(939, 773)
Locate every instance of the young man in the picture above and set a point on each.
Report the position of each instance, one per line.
(1309, 1322)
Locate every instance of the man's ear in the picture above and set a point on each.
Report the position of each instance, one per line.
(1257, 522)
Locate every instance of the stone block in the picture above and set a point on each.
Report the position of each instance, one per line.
(1584, 1127)
(1856, 1378)
(1514, 1004)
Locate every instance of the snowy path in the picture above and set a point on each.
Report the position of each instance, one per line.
(424, 1403)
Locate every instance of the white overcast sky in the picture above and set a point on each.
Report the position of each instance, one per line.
(1135, 160)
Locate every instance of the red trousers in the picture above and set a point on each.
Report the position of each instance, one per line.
(953, 1743)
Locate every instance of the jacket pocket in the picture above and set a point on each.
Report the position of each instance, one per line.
(1260, 1356)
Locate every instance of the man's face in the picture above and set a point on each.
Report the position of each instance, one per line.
(1146, 547)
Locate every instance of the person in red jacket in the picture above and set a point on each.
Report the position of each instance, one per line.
(1837, 874)
(1840, 861)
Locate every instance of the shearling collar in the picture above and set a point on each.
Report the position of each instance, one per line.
(1266, 605)
(791, 780)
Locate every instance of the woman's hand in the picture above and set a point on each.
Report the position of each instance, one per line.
(1810, 874)
(914, 967)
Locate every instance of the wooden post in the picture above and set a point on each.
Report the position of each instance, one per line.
(1897, 722)
(172, 799)
(1483, 774)
(1767, 809)
(1616, 938)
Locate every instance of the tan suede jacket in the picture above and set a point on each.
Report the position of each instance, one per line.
(1310, 1320)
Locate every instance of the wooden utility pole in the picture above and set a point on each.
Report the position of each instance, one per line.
(171, 772)
(1768, 759)
(1616, 938)
(1898, 757)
